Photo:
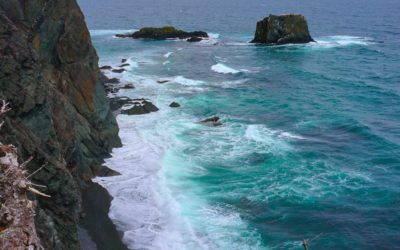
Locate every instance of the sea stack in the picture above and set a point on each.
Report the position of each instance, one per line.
(282, 29)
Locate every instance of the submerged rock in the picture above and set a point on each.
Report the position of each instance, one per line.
(212, 121)
(162, 81)
(282, 29)
(139, 107)
(163, 33)
(174, 105)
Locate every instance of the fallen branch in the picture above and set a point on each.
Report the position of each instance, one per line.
(35, 191)
(36, 171)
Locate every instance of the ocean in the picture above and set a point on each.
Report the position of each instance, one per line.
(310, 143)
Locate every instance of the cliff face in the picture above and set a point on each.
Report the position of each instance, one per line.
(282, 29)
(60, 115)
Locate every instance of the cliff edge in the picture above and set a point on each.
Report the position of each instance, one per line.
(59, 111)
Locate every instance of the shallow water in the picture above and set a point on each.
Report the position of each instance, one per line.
(310, 144)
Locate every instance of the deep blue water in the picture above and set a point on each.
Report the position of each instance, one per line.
(310, 146)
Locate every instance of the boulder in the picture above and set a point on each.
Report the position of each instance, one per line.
(174, 105)
(282, 29)
(123, 60)
(139, 107)
(124, 65)
(194, 39)
(163, 33)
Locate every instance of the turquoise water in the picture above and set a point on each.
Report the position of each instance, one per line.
(310, 144)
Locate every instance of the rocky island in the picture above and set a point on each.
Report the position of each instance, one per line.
(282, 29)
(167, 32)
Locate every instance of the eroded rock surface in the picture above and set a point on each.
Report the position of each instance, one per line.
(60, 115)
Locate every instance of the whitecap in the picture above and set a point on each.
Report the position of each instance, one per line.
(166, 55)
(186, 81)
(223, 69)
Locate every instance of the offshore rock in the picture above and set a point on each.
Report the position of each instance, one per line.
(213, 121)
(60, 114)
(174, 105)
(282, 29)
(163, 33)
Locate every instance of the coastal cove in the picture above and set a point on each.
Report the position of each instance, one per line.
(307, 144)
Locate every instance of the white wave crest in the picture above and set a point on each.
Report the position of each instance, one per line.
(187, 82)
(166, 55)
(340, 41)
(223, 69)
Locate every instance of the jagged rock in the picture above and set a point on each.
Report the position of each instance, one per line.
(139, 107)
(105, 67)
(111, 89)
(162, 81)
(282, 29)
(113, 80)
(60, 114)
(174, 105)
(117, 102)
(212, 121)
(163, 33)
(124, 65)
(118, 70)
(194, 39)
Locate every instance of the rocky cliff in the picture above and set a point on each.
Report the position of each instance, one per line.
(60, 115)
(282, 29)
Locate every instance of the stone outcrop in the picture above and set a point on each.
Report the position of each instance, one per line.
(282, 29)
(60, 115)
(167, 32)
(138, 107)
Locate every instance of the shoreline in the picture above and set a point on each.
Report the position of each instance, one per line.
(96, 230)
